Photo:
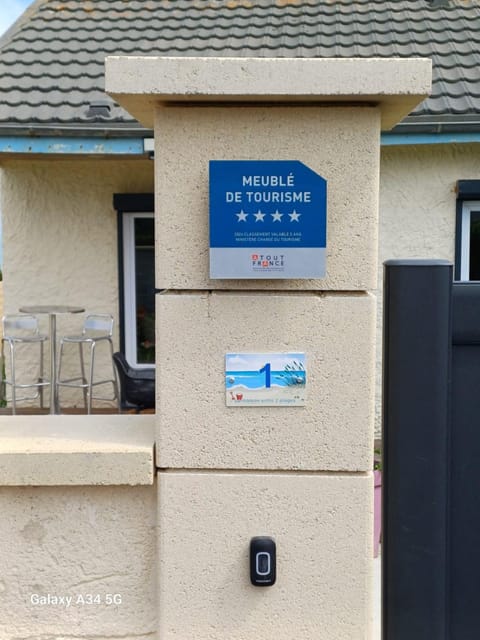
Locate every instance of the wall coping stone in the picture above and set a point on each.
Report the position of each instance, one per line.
(396, 85)
(77, 450)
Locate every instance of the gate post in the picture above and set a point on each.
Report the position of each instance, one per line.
(228, 473)
(416, 387)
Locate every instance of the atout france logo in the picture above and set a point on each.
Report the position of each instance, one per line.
(267, 261)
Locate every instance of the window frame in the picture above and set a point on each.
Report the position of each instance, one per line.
(468, 200)
(130, 289)
(129, 207)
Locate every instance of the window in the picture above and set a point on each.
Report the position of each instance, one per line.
(139, 288)
(467, 250)
(137, 277)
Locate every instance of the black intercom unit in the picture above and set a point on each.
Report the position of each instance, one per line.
(263, 561)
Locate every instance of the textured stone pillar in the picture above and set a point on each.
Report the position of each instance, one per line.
(299, 474)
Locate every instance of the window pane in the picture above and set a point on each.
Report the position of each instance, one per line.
(145, 289)
(475, 245)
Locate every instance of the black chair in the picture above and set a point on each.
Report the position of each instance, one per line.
(137, 386)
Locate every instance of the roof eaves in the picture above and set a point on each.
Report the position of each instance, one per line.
(101, 130)
(439, 124)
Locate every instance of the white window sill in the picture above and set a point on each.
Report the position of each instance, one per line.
(77, 450)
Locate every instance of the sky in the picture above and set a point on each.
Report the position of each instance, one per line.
(10, 10)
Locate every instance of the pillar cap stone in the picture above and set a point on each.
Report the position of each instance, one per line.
(65, 450)
(396, 85)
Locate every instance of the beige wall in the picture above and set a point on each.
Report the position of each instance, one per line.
(340, 144)
(60, 233)
(417, 199)
(417, 210)
(205, 517)
(212, 497)
(78, 527)
(72, 542)
(333, 431)
(48, 206)
(322, 527)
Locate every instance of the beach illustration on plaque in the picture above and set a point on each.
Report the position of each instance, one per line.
(265, 379)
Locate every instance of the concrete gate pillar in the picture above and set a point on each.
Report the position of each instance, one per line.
(300, 474)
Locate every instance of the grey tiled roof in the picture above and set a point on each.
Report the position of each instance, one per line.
(52, 60)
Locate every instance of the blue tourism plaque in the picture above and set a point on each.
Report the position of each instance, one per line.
(268, 219)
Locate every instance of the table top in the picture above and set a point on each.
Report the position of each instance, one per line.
(50, 308)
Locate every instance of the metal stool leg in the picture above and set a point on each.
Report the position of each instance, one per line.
(84, 379)
(59, 376)
(90, 380)
(4, 376)
(14, 388)
(40, 375)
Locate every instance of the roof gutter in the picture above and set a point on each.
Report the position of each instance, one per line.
(115, 139)
(80, 139)
(135, 147)
(410, 139)
(75, 130)
(138, 146)
(79, 146)
(446, 123)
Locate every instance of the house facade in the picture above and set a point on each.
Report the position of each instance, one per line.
(77, 174)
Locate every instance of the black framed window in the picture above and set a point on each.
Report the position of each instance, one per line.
(467, 240)
(136, 234)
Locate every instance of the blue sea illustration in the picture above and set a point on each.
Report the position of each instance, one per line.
(263, 371)
(257, 380)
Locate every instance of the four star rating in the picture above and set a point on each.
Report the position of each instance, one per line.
(242, 216)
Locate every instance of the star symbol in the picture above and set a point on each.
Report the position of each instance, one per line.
(294, 216)
(259, 216)
(242, 216)
(277, 216)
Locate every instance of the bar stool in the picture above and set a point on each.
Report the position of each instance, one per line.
(97, 328)
(22, 329)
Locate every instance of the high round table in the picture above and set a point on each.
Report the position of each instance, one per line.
(52, 310)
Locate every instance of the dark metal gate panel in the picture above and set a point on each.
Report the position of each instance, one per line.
(417, 297)
(431, 479)
(464, 511)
